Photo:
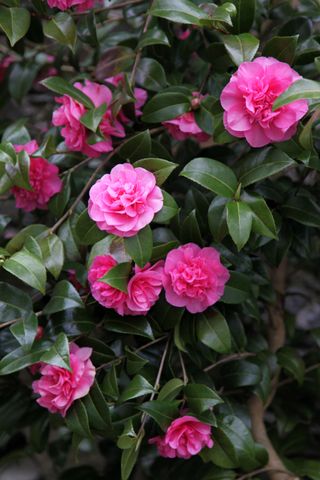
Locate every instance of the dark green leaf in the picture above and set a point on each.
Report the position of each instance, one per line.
(140, 246)
(52, 254)
(237, 289)
(241, 48)
(213, 331)
(281, 48)
(62, 29)
(154, 36)
(302, 210)
(180, 11)
(18, 359)
(25, 331)
(128, 460)
(262, 164)
(64, 296)
(151, 75)
(136, 147)
(97, 409)
(14, 303)
(14, 22)
(63, 87)
(163, 412)
(190, 230)
(117, 277)
(158, 166)
(28, 268)
(165, 106)
(170, 390)
(289, 359)
(87, 231)
(262, 218)
(201, 398)
(239, 221)
(58, 354)
(77, 420)
(93, 117)
(139, 327)
(245, 15)
(240, 374)
(213, 175)
(110, 384)
(138, 387)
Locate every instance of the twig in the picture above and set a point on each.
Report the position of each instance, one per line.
(291, 380)
(229, 358)
(139, 51)
(183, 368)
(144, 416)
(122, 357)
(10, 322)
(275, 467)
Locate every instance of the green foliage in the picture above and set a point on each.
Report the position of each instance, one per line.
(248, 365)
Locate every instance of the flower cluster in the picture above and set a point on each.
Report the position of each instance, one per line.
(185, 437)
(192, 277)
(144, 287)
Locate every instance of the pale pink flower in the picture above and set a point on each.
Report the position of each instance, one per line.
(140, 95)
(76, 135)
(44, 180)
(194, 277)
(144, 289)
(185, 126)
(185, 437)
(59, 388)
(106, 295)
(248, 99)
(81, 5)
(125, 200)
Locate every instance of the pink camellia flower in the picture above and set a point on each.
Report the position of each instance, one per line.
(81, 5)
(76, 135)
(248, 98)
(140, 95)
(5, 63)
(106, 295)
(185, 125)
(59, 388)
(125, 200)
(44, 180)
(194, 277)
(144, 289)
(185, 437)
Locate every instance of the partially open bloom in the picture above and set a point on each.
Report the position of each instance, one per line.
(140, 95)
(185, 125)
(106, 295)
(59, 388)
(194, 277)
(248, 99)
(144, 287)
(76, 135)
(185, 437)
(80, 5)
(44, 180)
(125, 200)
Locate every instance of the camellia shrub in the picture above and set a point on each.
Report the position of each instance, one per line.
(159, 182)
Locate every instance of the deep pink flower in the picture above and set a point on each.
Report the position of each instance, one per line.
(248, 98)
(106, 295)
(140, 95)
(185, 437)
(5, 63)
(80, 5)
(76, 135)
(144, 289)
(58, 388)
(194, 277)
(43, 177)
(125, 200)
(185, 126)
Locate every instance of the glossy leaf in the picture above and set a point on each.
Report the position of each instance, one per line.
(138, 387)
(61, 28)
(28, 268)
(241, 48)
(139, 247)
(117, 277)
(160, 167)
(213, 331)
(239, 221)
(213, 175)
(301, 89)
(15, 23)
(58, 354)
(61, 86)
(64, 296)
(201, 398)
